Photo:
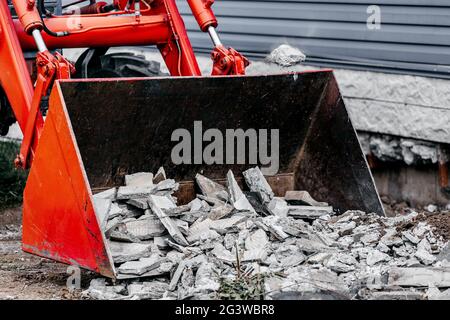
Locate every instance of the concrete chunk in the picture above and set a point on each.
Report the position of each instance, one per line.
(177, 276)
(376, 256)
(148, 290)
(177, 211)
(102, 207)
(312, 246)
(168, 184)
(302, 198)
(308, 212)
(160, 175)
(419, 277)
(167, 221)
(278, 207)
(425, 257)
(140, 179)
(221, 226)
(410, 237)
(163, 202)
(146, 227)
(122, 251)
(238, 199)
(220, 212)
(114, 211)
(257, 183)
(223, 254)
(209, 187)
(107, 194)
(257, 240)
(396, 295)
(133, 192)
(140, 203)
(141, 266)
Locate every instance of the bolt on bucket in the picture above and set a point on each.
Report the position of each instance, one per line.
(294, 126)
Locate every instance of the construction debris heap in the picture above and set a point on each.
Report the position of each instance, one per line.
(233, 244)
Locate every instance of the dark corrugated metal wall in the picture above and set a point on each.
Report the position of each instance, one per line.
(414, 35)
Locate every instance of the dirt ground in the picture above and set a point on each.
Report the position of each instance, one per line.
(25, 276)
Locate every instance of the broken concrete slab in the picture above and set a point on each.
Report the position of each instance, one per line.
(370, 238)
(223, 254)
(107, 194)
(122, 251)
(221, 226)
(146, 227)
(272, 224)
(177, 211)
(311, 246)
(220, 212)
(257, 183)
(99, 290)
(434, 293)
(102, 207)
(163, 202)
(237, 197)
(140, 203)
(419, 277)
(319, 257)
(256, 202)
(410, 237)
(140, 266)
(302, 198)
(159, 176)
(289, 256)
(278, 206)
(308, 212)
(132, 192)
(256, 240)
(161, 242)
(148, 290)
(445, 253)
(177, 275)
(348, 245)
(209, 187)
(425, 257)
(396, 295)
(376, 256)
(166, 220)
(114, 211)
(167, 185)
(140, 179)
(206, 278)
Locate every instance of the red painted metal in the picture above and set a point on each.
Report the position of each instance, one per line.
(228, 62)
(28, 14)
(49, 67)
(14, 74)
(59, 220)
(100, 32)
(177, 52)
(201, 9)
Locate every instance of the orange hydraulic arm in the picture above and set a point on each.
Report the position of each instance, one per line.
(125, 22)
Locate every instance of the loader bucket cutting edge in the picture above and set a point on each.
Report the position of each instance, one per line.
(99, 130)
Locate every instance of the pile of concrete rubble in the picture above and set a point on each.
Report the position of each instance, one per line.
(296, 247)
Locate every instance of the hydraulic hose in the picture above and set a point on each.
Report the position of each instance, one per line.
(42, 11)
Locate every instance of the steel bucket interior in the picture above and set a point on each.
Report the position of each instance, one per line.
(99, 130)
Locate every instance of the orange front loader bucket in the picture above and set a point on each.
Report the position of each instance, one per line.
(98, 130)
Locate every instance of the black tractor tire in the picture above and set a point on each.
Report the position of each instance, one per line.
(7, 117)
(97, 64)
